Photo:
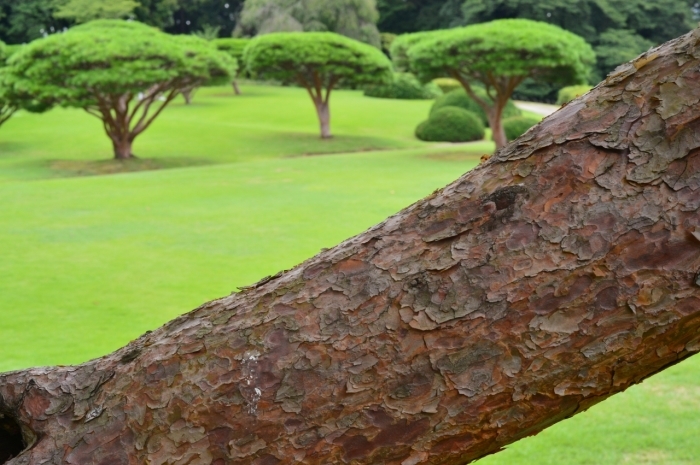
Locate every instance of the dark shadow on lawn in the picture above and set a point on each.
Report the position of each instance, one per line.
(305, 144)
(73, 168)
(466, 155)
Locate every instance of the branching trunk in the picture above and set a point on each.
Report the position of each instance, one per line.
(560, 272)
(6, 112)
(126, 116)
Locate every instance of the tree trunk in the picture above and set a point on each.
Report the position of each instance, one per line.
(324, 118)
(187, 95)
(236, 89)
(494, 116)
(122, 148)
(560, 272)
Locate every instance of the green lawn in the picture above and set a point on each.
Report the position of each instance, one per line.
(90, 262)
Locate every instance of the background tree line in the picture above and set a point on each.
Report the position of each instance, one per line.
(618, 30)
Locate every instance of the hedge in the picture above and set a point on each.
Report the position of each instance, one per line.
(518, 125)
(451, 124)
(404, 86)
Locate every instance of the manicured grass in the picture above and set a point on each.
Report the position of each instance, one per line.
(219, 127)
(90, 262)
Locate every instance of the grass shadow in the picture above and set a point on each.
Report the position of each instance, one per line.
(467, 155)
(77, 168)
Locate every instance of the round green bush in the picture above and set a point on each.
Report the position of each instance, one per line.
(518, 125)
(459, 98)
(568, 93)
(404, 86)
(447, 84)
(451, 124)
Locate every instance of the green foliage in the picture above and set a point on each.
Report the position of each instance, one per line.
(459, 98)
(352, 18)
(122, 72)
(634, 24)
(451, 124)
(516, 48)
(324, 57)
(208, 32)
(516, 126)
(404, 86)
(568, 93)
(82, 11)
(533, 90)
(402, 16)
(400, 46)
(616, 46)
(7, 105)
(501, 55)
(158, 13)
(111, 57)
(234, 47)
(447, 84)
(387, 38)
(22, 21)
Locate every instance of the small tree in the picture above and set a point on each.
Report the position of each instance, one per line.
(319, 62)
(124, 73)
(500, 55)
(234, 47)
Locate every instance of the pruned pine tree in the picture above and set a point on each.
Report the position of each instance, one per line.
(318, 62)
(123, 72)
(500, 55)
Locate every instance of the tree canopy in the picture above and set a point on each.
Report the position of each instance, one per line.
(317, 61)
(125, 73)
(500, 55)
(352, 18)
(82, 11)
(619, 30)
(403, 16)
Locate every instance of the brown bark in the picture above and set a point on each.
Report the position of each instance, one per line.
(556, 274)
(122, 148)
(125, 116)
(324, 118)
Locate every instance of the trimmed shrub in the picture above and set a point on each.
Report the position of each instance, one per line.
(516, 126)
(404, 86)
(567, 94)
(447, 84)
(451, 124)
(459, 98)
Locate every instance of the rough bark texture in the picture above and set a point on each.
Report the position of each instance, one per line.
(561, 271)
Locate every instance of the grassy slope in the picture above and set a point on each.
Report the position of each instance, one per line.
(89, 263)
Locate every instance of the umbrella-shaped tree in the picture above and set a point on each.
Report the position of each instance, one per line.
(235, 48)
(124, 73)
(501, 55)
(319, 62)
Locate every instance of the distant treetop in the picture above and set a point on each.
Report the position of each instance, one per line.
(356, 19)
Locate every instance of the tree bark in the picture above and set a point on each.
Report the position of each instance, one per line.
(498, 133)
(560, 272)
(324, 118)
(122, 148)
(236, 89)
